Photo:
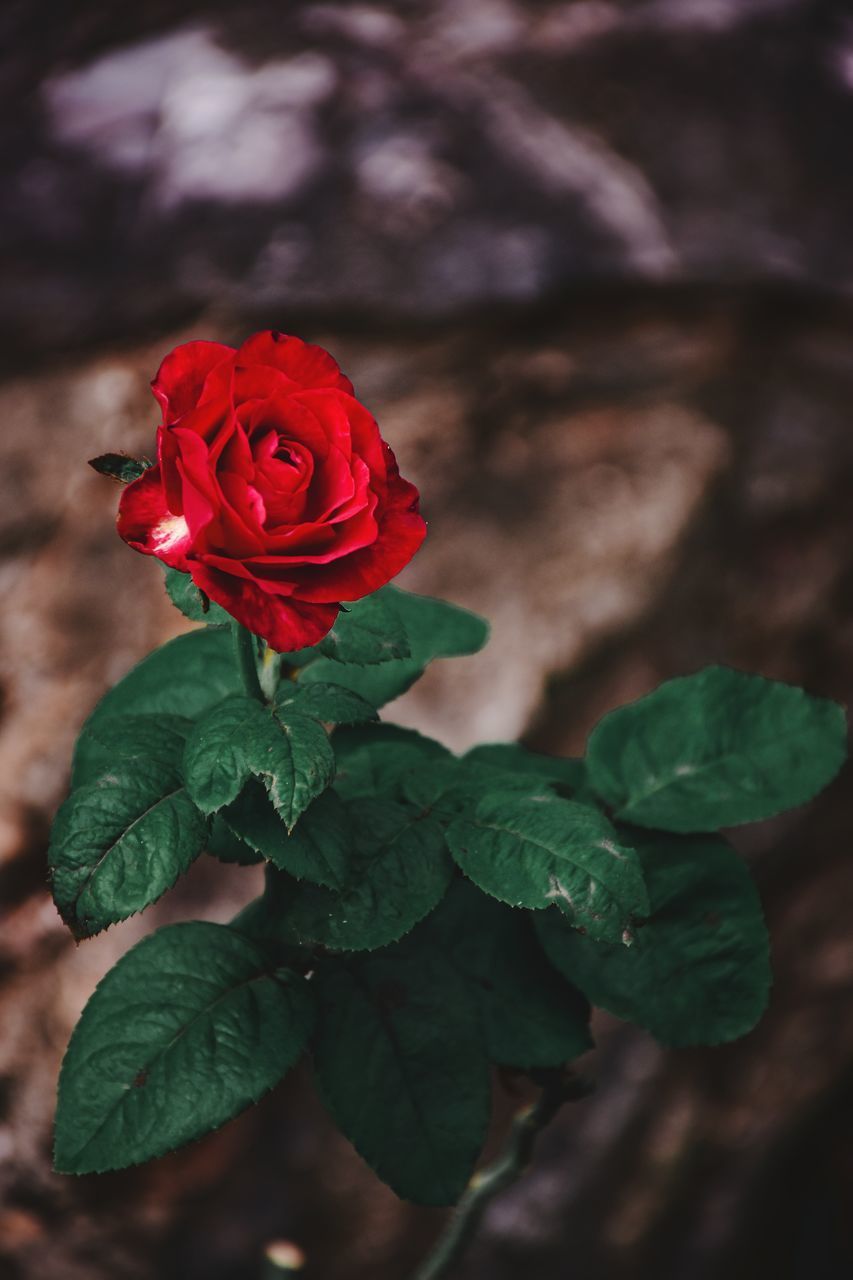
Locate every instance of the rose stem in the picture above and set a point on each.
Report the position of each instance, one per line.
(245, 651)
(559, 1087)
(270, 672)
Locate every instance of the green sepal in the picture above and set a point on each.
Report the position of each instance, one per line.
(118, 466)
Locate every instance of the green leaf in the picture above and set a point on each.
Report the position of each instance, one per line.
(193, 603)
(223, 844)
(714, 750)
(530, 1017)
(118, 466)
(188, 1029)
(417, 1107)
(568, 774)
(119, 843)
(372, 761)
(182, 678)
(434, 629)
(328, 702)
(448, 786)
(135, 737)
(698, 971)
(367, 631)
(399, 868)
(318, 848)
(239, 739)
(535, 851)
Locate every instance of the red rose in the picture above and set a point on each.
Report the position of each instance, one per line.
(274, 489)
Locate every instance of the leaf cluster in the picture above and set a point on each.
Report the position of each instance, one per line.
(425, 916)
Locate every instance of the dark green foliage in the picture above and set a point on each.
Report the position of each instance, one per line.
(714, 750)
(190, 1027)
(418, 1114)
(193, 603)
(182, 678)
(569, 776)
(697, 970)
(223, 844)
(372, 762)
(433, 629)
(398, 869)
(542, 850)
(369, 631)
(422, 972)
(328, 702)
(121, 841)
(529, 1016)
(318, 847)
(110, 739)
(239, 738)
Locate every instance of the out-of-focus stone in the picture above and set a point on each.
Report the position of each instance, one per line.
(417, 160)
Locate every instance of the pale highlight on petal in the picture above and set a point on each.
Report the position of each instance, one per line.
(168, 533)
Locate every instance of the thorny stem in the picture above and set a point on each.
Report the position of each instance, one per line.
(245, 651)
(558, 1087)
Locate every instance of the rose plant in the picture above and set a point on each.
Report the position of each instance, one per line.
(425, 916)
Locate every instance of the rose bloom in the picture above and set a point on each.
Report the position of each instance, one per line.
(273, 489)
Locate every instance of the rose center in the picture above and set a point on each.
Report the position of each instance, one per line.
(284, 453)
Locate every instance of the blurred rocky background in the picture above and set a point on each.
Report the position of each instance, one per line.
(590, 263)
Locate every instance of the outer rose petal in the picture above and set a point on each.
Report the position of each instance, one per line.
(147, 524)
(181, 377)
(401, 532)
(285, 624)
(304, 363)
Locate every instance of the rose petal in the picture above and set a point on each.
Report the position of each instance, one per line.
(146, 523)
(302, 362)
(333, 485)
(214, 424)
(401, 532)
(285, 624)
(180, 380)
(292, 420)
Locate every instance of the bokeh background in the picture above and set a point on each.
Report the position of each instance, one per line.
(590, 263)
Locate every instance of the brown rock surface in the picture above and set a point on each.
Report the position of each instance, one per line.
(626, 493)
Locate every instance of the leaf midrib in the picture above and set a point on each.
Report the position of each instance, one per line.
(705, 767)
(119, 838)
(160, 1053)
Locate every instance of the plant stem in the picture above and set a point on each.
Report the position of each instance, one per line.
(559, 1087)
(270, 672)
(245, 651)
